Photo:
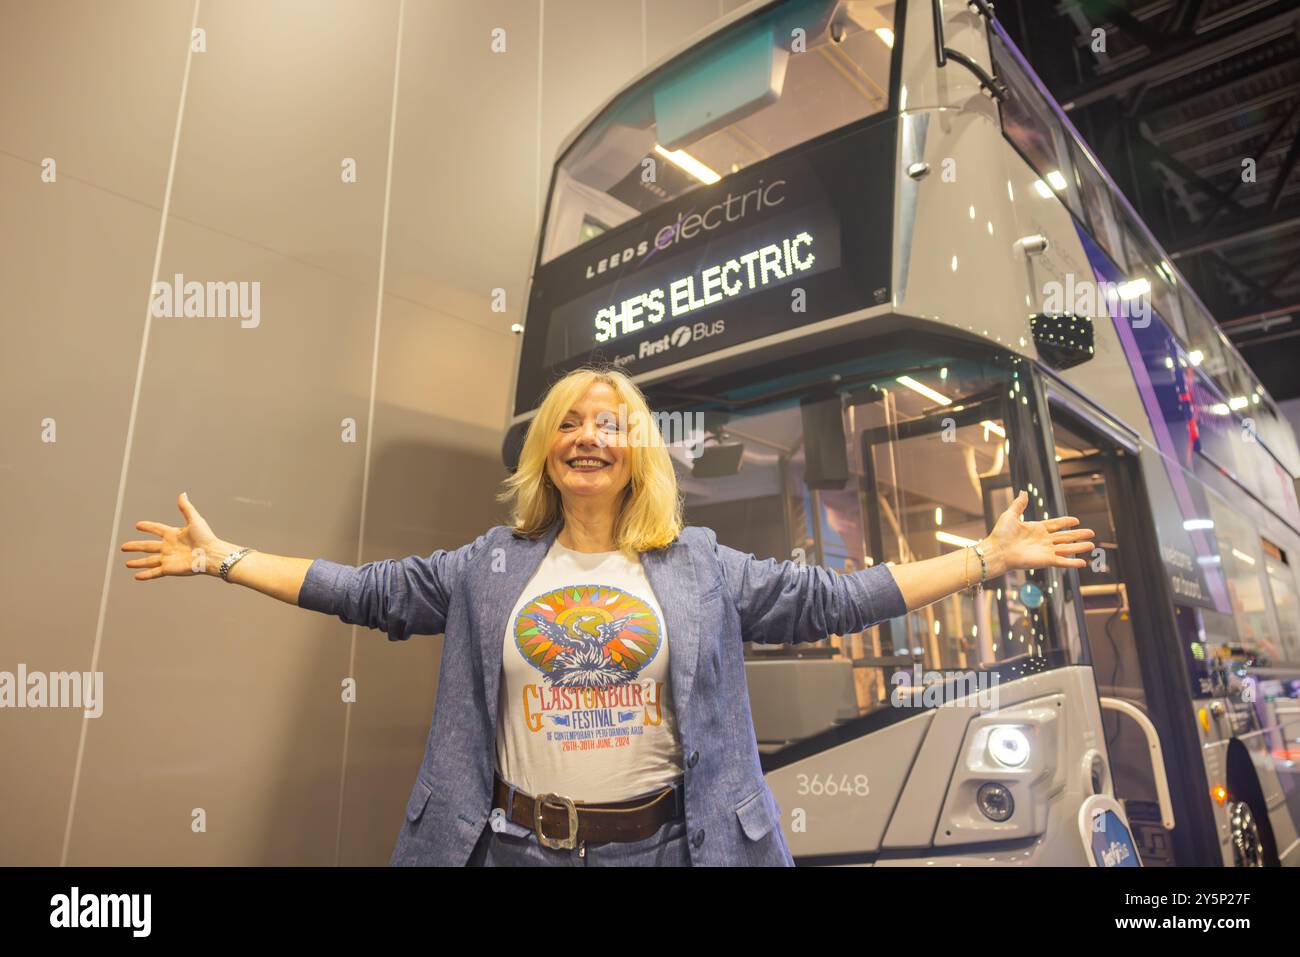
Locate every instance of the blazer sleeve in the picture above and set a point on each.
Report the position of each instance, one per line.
(403, 597)
(786, 602)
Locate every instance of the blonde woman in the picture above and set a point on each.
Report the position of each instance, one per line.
(592, 706)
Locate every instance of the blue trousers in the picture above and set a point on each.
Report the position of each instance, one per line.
(509, 848)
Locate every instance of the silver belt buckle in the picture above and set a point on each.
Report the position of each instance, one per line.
(564, 842)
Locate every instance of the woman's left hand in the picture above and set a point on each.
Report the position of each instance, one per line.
(1014, 543)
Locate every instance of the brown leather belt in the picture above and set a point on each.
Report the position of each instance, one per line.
(563, 823)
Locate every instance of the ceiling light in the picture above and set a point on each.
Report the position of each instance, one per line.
(948, 538)
(689, 163)
(924, 390)
(1133, 288)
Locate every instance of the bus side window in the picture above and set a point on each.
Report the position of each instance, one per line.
(1030, 125)
(1281, 580)
(1101, 214)
(1239, 559)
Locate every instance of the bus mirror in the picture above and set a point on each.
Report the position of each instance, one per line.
(826, 459)
(715, 419)
(718, 461)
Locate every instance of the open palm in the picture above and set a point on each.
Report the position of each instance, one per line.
(179, 549)
(1046, 544)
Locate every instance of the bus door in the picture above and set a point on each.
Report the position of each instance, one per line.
(1153, 748)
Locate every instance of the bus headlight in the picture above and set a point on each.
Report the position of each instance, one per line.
(1008, 746)
(995, 801)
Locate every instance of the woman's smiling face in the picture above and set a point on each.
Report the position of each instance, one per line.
(589, 454)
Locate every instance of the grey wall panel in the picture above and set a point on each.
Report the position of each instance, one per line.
(285, 94)
(75, 261)
(669, 23)
(589, 51)
(96, 87)
(224, 699)
(466, 180)
(72, 313)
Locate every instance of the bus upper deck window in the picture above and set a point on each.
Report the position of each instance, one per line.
(759, 87)
(1101, 218)
(1034, 129)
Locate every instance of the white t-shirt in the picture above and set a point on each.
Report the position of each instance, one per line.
(586, 704)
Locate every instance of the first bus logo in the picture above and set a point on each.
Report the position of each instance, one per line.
(679, 337)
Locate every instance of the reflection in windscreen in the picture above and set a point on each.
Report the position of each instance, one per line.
(762, 86)
(891, 467)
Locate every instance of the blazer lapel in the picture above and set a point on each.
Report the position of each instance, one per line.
(522, 558)
(674, 582)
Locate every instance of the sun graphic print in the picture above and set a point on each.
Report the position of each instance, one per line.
(587, 635)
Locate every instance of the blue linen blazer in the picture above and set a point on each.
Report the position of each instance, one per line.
(713, 598)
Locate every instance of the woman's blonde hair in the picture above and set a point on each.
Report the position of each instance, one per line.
(650, 512)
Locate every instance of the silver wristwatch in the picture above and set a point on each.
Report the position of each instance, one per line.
(229, 562)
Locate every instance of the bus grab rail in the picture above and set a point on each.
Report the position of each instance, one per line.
(944, 53)
(1153, 751)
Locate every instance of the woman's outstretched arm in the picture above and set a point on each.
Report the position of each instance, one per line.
(785, 602)
(195, 550)
(280, 576)
(1012, 544)
(402, 597)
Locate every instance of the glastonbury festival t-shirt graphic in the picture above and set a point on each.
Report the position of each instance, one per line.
(586, 705)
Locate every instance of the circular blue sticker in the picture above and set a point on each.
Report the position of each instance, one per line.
(1031, 596)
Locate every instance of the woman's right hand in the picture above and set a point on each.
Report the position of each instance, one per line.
(181, 551)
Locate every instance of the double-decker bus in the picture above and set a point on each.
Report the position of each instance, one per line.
(860, 256)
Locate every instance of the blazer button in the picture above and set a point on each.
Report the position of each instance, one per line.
(698, 839)
(693, 759)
